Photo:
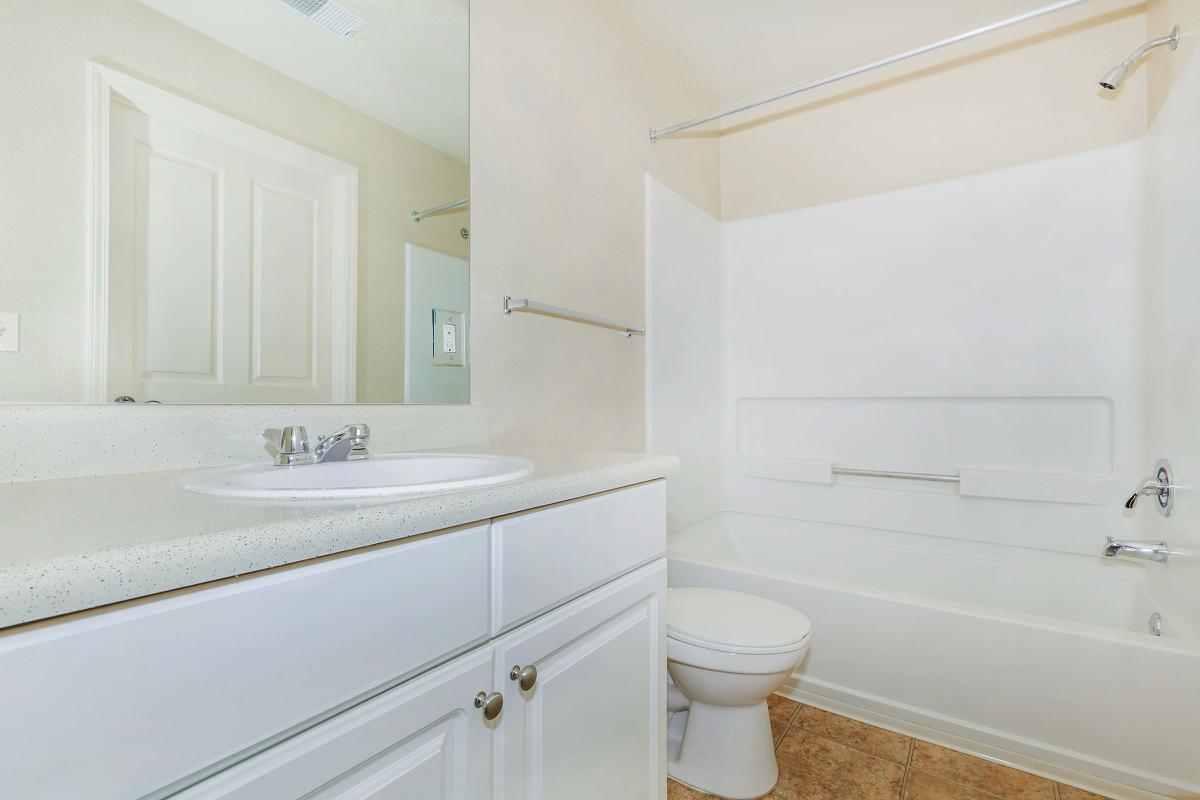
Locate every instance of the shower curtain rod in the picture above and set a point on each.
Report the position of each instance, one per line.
(655, 135)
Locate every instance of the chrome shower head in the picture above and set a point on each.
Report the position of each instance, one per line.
(1113, 79)
(1116, 76)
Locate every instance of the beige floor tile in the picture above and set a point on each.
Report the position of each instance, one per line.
(927, 786)
(859, 735)
(782, 711)
(1004, 782)
(1071, 793)
(813, 768)
(677, 791)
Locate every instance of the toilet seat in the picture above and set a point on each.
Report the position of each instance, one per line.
(734, 622)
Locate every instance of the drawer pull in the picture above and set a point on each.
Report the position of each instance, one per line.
(526, 677)
(491, 704)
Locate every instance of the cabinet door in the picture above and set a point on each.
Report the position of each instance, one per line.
(593, 725)
(423, 740)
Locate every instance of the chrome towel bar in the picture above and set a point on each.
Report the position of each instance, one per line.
(512, 304)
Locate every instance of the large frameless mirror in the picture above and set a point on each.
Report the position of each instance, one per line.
(234, 201)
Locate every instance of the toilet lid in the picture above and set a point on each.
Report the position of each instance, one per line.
(718, 619)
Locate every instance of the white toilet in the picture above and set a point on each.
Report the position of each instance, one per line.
(727, 652)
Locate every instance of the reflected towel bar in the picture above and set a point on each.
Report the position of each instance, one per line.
(417, 216)
(529, 306)
(908, 476)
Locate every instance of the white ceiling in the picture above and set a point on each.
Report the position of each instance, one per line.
(739, 49)
(408, 68)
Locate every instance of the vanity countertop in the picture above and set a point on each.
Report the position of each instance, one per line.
(73, 544)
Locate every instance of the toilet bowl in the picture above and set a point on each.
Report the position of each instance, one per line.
(727, 652)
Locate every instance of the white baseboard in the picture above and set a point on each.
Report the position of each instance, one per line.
(963, 736)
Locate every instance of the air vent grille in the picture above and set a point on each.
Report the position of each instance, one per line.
(330, 15)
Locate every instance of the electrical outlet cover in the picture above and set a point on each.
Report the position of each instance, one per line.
(448, 338)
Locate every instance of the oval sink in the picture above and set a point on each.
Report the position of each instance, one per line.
(392, 475)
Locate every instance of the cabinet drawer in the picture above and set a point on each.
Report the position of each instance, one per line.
(122, 703)
(543, 558)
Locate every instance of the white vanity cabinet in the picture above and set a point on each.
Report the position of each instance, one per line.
(592, 725)
(357, 676)
(423, 739)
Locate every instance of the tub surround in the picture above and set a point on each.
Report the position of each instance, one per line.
(78, 543)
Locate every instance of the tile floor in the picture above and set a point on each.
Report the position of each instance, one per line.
(826, 757)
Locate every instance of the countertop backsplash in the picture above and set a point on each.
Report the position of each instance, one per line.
(45, 442)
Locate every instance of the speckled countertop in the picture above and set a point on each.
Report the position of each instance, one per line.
(73, 544)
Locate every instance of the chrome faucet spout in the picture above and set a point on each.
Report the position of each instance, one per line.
(290, 446)
(347, 444)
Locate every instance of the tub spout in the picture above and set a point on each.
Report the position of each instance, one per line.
(1141, 548)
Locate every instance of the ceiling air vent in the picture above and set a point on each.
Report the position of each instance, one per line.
(330, 15)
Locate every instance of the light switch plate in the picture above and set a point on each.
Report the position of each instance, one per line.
(449, 338)
(10, 333)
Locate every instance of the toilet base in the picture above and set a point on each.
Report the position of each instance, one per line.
(727, 751)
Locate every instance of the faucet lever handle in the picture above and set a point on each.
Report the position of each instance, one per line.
(289, 445)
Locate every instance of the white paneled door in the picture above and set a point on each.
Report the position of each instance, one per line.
(221, 273)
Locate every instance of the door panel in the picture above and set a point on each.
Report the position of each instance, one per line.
(593, 725)
(177, 267)
(423, 740)
(220, 269)
(285, 270)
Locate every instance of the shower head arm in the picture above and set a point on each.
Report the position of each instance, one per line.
(1117, 74)
(1171, 38)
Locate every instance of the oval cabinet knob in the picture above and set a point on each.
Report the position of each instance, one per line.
(491, 704)
(525, 677)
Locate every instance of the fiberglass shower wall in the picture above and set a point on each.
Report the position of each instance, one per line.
(987, 325)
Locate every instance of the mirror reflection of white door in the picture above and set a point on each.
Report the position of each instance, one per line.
(222, 261)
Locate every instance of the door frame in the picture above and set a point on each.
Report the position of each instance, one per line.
(103, 83)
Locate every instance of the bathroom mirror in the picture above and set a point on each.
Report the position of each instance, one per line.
(234, 201)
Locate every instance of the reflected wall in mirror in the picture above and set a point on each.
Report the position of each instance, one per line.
(213, 202)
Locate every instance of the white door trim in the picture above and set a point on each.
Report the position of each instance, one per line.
(102, 83)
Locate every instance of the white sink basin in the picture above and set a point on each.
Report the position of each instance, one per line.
(394, 475)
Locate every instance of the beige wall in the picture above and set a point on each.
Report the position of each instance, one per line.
(1028, 94)
(563, 94)
(43, 241)
(1163, 70)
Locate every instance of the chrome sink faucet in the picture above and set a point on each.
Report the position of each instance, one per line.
(1137, 548)
(291, 449)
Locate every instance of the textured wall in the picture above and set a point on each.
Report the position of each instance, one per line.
(1023, 95)
(1163, 70)
(563, 95)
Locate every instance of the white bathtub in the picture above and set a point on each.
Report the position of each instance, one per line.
(1043, 660)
